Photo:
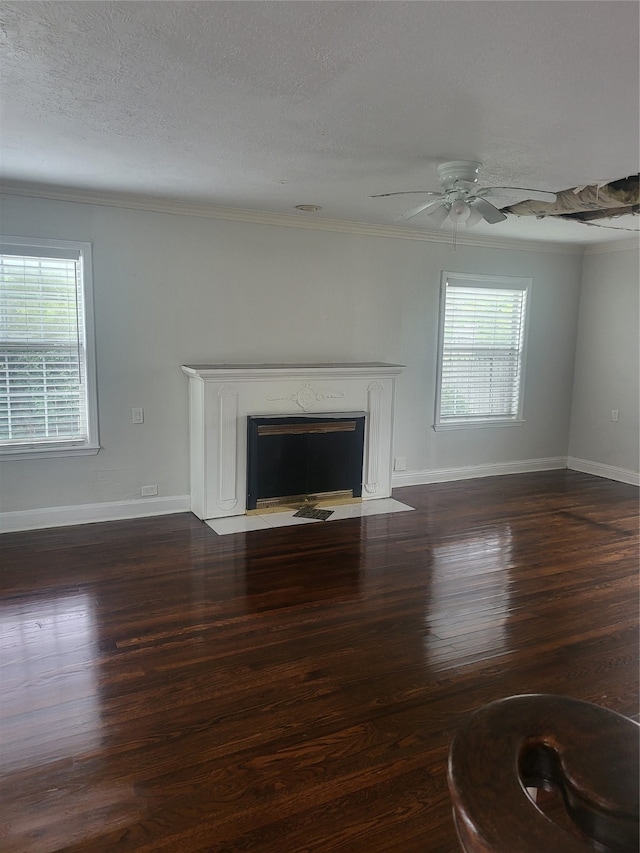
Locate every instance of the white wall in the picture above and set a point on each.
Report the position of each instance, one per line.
(607, 367)
(174, 289)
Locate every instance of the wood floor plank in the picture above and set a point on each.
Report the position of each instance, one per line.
(297, 689)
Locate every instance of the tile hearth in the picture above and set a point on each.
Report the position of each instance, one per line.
(246, 523)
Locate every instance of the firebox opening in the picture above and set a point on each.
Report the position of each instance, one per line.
(297, 459)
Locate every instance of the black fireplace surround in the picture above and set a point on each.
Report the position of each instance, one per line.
(298, 457)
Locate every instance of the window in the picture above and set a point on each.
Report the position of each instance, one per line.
(47, 367)
(480, 351)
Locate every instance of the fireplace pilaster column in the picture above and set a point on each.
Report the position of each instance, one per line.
(228, 449)
(374, 430)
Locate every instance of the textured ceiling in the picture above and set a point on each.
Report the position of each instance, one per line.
(265, 105)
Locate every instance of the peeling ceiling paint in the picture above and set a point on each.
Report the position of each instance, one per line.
(589, 203)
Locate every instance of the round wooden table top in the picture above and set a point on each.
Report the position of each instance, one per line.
(587, 753)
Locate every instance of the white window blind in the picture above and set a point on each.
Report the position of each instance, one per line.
(482, 333)
(46, 400)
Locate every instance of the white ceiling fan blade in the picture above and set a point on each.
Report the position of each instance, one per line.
(416, 210)
(406, 192)
(533, 195)
(439, 214)
(489, 213)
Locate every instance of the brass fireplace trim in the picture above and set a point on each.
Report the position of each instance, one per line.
(289, 502)
(304, 428)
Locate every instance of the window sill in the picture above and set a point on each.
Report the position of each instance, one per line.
(451, 425)
(49, 451)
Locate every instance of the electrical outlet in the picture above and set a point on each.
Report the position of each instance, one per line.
(614, 415)
(400, 463)
(137, 416)
(147, 491)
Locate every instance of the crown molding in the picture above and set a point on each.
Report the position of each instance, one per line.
(287, 220)
(624, 245)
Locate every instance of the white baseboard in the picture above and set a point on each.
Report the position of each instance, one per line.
(63, 516)
(622, 475)
(469, 472)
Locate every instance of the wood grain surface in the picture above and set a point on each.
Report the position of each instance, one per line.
(296, 689)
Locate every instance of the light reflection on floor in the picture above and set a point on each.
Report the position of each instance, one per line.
(47, 659)
(471, 627)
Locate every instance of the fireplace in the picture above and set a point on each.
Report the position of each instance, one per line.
(225, 398)
(304, 458)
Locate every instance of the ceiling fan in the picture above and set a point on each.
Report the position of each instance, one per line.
(461, 200)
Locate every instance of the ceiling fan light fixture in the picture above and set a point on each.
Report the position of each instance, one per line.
(474, 216)
(460, 211)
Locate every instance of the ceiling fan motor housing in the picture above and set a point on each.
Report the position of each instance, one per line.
(458, 170)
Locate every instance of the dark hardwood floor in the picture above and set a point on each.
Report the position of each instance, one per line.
(296, 690)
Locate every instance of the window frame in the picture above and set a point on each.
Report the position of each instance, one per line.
(489, 282)
(52, 448)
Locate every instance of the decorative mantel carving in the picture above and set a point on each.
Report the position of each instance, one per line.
(307, 396)
(221, 396)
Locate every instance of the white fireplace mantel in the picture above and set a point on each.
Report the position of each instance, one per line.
(221, 396)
